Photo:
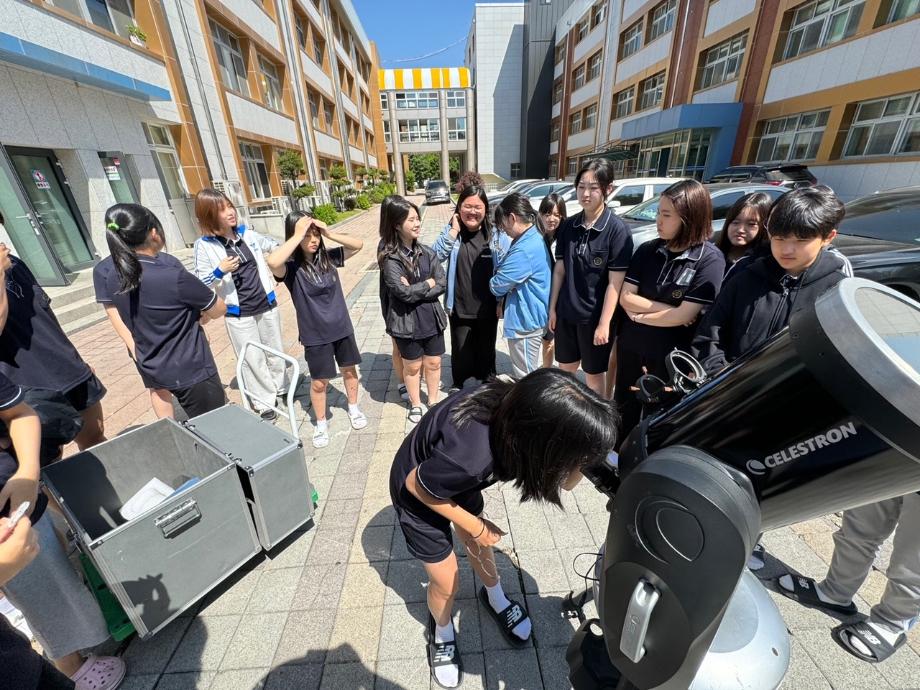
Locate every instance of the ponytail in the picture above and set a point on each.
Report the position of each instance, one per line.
(127, 227)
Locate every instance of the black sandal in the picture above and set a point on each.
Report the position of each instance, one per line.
(805, 593)
(508, 619)
(415, 414)
(443, 654)
(879, 648)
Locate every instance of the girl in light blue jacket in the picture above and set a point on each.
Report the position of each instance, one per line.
(523, 280)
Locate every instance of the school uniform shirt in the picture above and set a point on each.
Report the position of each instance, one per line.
(322, 315)
(757, 303)
(34, 351)
(426, 320)
(252, 298)
(472, 297)
(589, 254)
(10, 396)
(451, 462)
(101, 273)
(162, 314)
(694, 275)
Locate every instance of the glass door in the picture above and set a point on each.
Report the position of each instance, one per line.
(119, 177)
(54, 207)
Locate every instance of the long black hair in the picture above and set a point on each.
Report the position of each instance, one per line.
(320, 265)
(760, 202)
(519, 205)
(542, 429)
(127, 229)
(475, 190)
(393, 213)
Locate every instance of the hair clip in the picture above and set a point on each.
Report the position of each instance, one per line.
(113, 227)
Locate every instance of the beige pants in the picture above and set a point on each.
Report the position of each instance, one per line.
(264, 376)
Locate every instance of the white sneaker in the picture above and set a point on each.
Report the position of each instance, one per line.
(358, 420)
(320, 437)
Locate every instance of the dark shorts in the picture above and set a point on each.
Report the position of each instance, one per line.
(575, 342)
(201, 397)
(415, 349)
(84, 395)
(429, 536)
(321, 359)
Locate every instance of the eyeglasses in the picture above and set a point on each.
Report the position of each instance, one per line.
(472, 209)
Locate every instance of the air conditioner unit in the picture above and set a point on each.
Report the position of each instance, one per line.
(234, 191)
(281, 205)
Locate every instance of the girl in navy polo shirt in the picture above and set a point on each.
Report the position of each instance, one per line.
(308, 270)
(163, 306)
(538, 433)
(669, 282)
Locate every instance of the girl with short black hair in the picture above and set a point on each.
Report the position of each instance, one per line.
(163, 306)
(539, 434)
(309, 270)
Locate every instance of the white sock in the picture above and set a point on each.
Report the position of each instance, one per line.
(320, 424)
(786, 583)
(500, 602)
(353, 409)
(444, 633)
(448, 676)
(884, 633)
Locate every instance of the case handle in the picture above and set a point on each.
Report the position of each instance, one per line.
(638, 615)
(178, 518)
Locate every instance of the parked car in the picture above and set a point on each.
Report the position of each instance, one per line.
(641, 218)
(437, 191)
(627, 193)
(534, 191)
(880, 234)
(790, 176)
(510, 187)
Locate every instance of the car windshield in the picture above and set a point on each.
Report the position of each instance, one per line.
(794, 174)
(647, 210)
(437, 185)
(894, 217)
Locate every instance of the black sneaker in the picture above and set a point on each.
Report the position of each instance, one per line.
(268, 415)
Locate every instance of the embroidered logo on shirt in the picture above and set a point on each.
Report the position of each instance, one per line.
(598, 261)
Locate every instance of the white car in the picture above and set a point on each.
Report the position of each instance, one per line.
(510, 187)
(626, 194)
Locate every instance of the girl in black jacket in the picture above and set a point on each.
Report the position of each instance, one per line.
(744, 231)
(413, 279)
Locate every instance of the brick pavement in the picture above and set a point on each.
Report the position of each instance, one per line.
(341, 605)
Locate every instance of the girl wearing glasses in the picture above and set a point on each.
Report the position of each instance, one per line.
(549, 217)
(230, 258)
(472, 250)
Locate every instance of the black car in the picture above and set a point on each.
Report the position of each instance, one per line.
(437, 191)
(790, 176)
(881, 236)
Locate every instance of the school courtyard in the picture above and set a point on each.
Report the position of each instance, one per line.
(341, 604)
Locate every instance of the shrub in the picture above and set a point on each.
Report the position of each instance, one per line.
(349, 203)
(376, 196)
(363, 202)
(303, 191)
(410, 181)
(325, 213)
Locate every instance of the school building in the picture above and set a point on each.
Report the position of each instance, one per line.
(427, 110)
(107, 101)
(688, 87)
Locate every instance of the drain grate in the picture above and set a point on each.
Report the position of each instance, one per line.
(370, 267)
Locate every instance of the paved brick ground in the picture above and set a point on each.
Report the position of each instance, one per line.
(341, 604)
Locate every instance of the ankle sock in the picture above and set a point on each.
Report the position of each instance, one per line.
(444, 633)
(353, 409)
(500, 602)
(786, 583)
(448, 676)
(883, 633)
(321, 424)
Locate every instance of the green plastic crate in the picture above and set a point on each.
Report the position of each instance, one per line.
(116, 619)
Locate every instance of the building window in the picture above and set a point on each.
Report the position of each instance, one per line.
(557, 92)
(553, 168)
(575, 123)
(598, 13)
(313, 100)
(165, 160)
(651, 91)
(902, 9)
(384, 104)
(662, 19)
(888, 126)
(112, 15)
(631, 40)
(723, 62)
(581, 30)
(230, 59)
(329, 114)
(555, 130)
(412, 100)
(301, 32)
(386, 132)
(571, 166)
(821, 23)
(456, 129)
(271, 84)
(624, 103)
(456, 99)
(594, 66)
(319, 48)
(793, 138)
(515, 171)
(590, 117)
(578, 77)
(256, 172)
(560, 53)
(419, 130)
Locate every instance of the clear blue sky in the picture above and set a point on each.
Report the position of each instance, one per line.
(411, 28)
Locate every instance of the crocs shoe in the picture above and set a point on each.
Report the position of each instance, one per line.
(99, 673)
(358, 420)
(320, 437)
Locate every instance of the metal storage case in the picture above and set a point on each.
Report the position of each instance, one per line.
(272, 468)
(161, 562)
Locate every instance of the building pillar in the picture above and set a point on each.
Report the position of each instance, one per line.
(394, 143)
(445, 155)
(471, 159)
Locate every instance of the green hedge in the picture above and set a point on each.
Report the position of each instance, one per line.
(362, 201)
(325, 213)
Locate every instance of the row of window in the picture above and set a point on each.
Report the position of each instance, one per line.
(583, 119)
(659, 21)
(651, 93)
(426, 130)
(595, 18)
(231, 63)
(587, 71)
(413, 100)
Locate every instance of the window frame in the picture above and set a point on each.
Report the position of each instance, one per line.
(432, 131)
(618, 100)
(801, 26)
(419, 100)
(384, 101)
(456, 132)
(893, 11)
(578, 76)
(658, 80)
(251, 164)
(84, 12)
(168, 150)
(581, 31)
(387, 137)
(230, 48)
(555, 130)
(594, 70)
(458, 96)
(271, 84)
(598, 14)
(734, 48)
(589, 113)
(631, 35)
(571, 165)
(575, 122)
(905, 122)
(661, 19)
(788, 137)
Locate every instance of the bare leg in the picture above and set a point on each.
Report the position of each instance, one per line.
(611, 372)
(433, 378)
(549, 352)
(161, 402)
(318, 398)
(350, 377)
(93, 431)
(412, 376)
(397, 363)
(443, 585)
(481, 558)
(596, 383)
(70, 664)
(571, 367)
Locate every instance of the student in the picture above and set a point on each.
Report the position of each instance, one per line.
(160, 398)
(384, 308)
(856, 544)
(413, 279)
(538, 433)
(523, 280)
(758, 301)
(549, 217)
(592, 254)
(36, 354)
(471, 250)
(669, 282)
(62, 613)
(744, 231)
(163, 306)
(229, 258)
(309, 271)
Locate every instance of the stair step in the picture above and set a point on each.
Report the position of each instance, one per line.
(83, 322)
(72, 295)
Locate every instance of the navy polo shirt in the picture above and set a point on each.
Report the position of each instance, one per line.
(101, 273)
(34, 351)
(162, 314)
(453, 462)
(322, 316)
(252, 296)
(589, 254)
(694, 275)
(10, 396)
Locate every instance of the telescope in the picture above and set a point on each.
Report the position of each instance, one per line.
(823, 417)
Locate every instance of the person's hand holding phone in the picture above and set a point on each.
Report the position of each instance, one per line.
(18, 549)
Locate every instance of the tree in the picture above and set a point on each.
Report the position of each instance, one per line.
(410, 181)
(340, 185)
(290, 165)
(425, 166)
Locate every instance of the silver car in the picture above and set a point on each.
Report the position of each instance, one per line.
(437, 191)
